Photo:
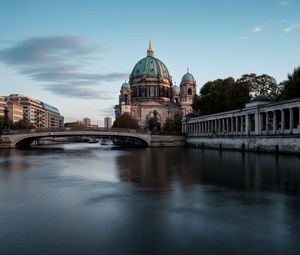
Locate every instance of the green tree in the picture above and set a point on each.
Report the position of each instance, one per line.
(126, 121)
(291, 87)
(2, 122)
(173, 125)
(77, 125)
(220, 95)
(260, 85)
(21, 124)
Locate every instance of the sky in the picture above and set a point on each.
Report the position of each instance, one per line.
(75, 54)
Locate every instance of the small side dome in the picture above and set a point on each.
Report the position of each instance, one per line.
(260, 98)
(176, 89)
(188, 77)
(125, 85)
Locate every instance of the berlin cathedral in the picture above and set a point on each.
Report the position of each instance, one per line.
(150, 92)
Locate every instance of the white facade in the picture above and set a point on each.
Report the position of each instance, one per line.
(257, 118)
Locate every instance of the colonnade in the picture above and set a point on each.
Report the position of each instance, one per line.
(275, 119)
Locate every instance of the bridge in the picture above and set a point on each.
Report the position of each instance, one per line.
(24, 138)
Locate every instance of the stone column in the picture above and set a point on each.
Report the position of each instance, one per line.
(247, 129)
(236, 124)
(256, 123)
(291, 120)
(282, 121)
(242, 124)
(227, 124)
(261, 124)
(299, 117)
(274, 122)
(231, 120)
(267, 122)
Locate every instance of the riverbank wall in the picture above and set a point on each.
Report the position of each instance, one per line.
(167, 141)
(274, 144)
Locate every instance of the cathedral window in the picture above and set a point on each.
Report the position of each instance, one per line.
(189, 91)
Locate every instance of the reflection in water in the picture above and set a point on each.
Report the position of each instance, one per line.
(88, 199)
(232, 170)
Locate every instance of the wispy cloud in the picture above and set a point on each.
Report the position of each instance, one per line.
(256, 29)
(292, 27)
(284, 3)
(109, 111)
(58, 62)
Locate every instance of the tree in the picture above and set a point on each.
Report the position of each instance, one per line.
(3, 124)
(173, 125)
(21, 124)
(291, 87)
(77, 125)
(126, 121)
(220, 95)
(260, 85)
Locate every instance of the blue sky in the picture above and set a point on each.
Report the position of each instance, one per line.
(75, 55)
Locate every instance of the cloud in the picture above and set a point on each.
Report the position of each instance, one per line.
(58, 63)
(109, 111)
(292, 27)
(284, 3)
(256, 29)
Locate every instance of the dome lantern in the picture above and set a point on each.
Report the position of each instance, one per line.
(150, 52)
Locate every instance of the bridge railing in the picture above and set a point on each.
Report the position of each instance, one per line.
(43, 130)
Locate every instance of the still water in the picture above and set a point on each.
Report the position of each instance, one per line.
(88, 199)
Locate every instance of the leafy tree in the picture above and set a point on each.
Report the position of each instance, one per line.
(77, 125)
(173, 125)
(126, 121)
(220, 95)
(2, 123)
(21, 124)
(291, 87)
(260, 85)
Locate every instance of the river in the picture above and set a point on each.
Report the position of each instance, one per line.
(88, 199)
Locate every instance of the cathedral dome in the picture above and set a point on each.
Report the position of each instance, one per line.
(125, 85)
(176, 89)
(150, 67)
(188, 77)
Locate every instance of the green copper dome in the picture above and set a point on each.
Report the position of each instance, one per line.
(150, 67)
(188, 77)
(176, 89)
(125, 85)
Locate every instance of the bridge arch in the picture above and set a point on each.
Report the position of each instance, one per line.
(22, 140)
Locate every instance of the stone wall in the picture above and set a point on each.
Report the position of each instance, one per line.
(256, 143)
(167, 141)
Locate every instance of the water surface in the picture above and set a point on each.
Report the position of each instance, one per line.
(88, 199)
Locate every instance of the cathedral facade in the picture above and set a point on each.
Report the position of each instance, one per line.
(150, 92)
